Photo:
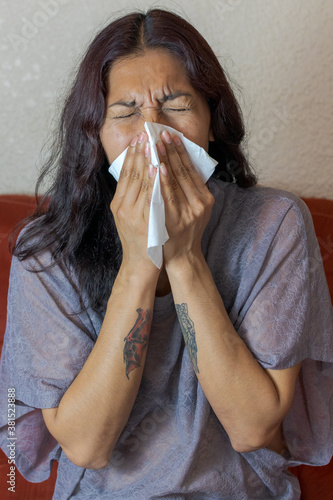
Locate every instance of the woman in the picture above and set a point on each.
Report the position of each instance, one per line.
(174, 383)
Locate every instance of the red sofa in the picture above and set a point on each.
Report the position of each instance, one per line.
(316, 482)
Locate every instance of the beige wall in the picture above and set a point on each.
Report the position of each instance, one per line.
(278, 51)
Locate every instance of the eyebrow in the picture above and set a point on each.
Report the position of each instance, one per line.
(165, 98)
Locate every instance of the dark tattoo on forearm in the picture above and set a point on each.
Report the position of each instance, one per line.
(187, 326)
(136, 341)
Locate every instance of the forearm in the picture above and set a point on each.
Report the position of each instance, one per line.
(96, 407)
(241, 393)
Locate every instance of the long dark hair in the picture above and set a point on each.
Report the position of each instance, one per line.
(73, 219)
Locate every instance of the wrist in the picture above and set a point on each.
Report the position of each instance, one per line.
(137, 277)
(186, 267)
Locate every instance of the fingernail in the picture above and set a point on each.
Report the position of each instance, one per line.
(166, 137)
(163, 169)
(141, 138)
(176, 140)
(151, 171)
(147, 150)
(134, 141)
(161, 148)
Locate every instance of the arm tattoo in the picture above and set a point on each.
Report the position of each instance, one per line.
(136, 341)
(187, 326)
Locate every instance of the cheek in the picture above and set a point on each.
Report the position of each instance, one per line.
(203, 134)
(198, 132)
(114, 143)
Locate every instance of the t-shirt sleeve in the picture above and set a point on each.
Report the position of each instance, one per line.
(48, 338)
(286, 314)
(285, 317)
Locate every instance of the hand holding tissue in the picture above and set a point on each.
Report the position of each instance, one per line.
(204, 164)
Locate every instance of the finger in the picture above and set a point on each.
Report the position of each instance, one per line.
(126, 168)
(186, 161)
(184, 172)
(145, 199)
(170, 188)
(145, 184)
(179, 170)
(132, 173)
(182, 183)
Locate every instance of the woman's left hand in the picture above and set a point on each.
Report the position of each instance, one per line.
(188, 201)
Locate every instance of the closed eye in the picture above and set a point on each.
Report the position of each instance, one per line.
(176, 109)
(125, 116)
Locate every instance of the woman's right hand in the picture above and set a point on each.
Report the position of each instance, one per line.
(131, 204)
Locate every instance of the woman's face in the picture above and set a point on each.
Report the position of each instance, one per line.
(153, 88)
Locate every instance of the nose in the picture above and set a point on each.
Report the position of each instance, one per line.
(152, 114)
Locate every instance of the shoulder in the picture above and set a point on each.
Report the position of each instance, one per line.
(30, 252)
(33, 268)
(254, 196)
(41, 287)
(260, 205)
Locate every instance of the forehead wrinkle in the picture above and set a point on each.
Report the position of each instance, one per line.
(150, 96)
(167, 97)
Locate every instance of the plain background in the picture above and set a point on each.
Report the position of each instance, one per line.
(278, 53)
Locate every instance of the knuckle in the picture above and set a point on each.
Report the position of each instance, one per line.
(130, 152)
(210, 199)
(135, 175)
(144, 186)
(121, 213)
(174, 184)
(115, 205)
(171, 198)
(172, 150)
(191, 167)
(199, 208)
(124, 172)
(182, 172)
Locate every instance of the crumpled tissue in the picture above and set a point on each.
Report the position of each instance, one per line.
(205, 165)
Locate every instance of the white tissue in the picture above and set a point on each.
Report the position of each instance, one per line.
(205, 165)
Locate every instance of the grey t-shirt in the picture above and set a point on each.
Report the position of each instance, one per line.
(264, 258)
